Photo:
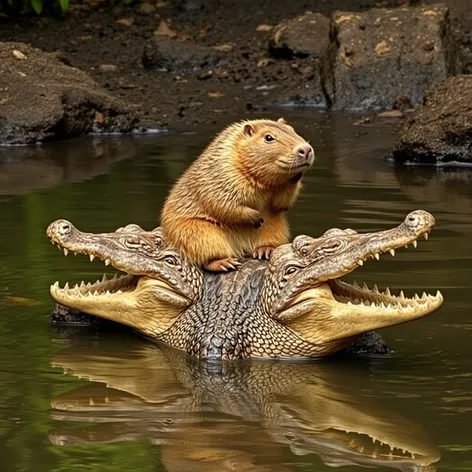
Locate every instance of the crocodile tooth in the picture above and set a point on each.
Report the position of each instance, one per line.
(95, 292)
(387, 291)
(82, 284)
(377, 256)
(364, 286)
(118, 292)
(438, 294)
(402, 295)
(360, 262)
(76, 286)
(354, 284)
(104, 278)
(92, 257)
(75, 253)
(392, 252)
(56, 284)
(66, 251)
(107, 292)
(406, 246)
(424, 296)
(417, 297)
(415, 243)
(375, 289)
(426, 236)
(107, 262)
(66, 286)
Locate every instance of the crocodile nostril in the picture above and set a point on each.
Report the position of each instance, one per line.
(65, 228)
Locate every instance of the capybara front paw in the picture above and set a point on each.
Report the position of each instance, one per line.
(222, 265)
(263, 252)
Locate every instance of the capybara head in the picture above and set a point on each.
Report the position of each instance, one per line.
(272, 152)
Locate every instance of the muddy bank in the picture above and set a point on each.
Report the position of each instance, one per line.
(107, 41)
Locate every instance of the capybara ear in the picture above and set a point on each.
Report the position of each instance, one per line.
(249, 130)
(282, 121)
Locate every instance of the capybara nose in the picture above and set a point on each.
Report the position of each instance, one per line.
(305, 150)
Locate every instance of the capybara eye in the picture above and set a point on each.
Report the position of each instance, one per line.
(268, 138)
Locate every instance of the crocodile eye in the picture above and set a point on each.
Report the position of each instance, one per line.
(169, 260)
(268, 138)
(290, 270)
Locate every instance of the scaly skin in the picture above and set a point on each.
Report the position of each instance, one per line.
(293, 306)
(197, 412)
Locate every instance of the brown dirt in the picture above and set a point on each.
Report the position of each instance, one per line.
(98, 33)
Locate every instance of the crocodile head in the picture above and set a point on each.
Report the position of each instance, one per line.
(156, 285)
(293, 306)
(303, 289)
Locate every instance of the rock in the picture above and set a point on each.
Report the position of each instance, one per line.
(146, 8)
(43, 99)
(441, 130)
(224, 47)
(391, 114)
(69, 316)
(304, 36)
(126, 21)
(369, 344)
(263, 28)
(382, 54)
(305, 41)
(107, 68)
(164, 30)
(176, 56)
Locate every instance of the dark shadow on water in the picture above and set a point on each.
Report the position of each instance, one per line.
(241, 416)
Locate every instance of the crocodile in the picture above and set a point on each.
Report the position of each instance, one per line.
(293, 306)
(231, 416)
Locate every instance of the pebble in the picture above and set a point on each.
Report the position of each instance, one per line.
(146, 8)
(107, 68)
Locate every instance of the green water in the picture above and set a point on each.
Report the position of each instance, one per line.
(127, 405)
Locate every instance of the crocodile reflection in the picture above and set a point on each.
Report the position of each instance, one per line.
(231, 416)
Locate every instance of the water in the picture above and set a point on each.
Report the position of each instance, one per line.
(125, 404)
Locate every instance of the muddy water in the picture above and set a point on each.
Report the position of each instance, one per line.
(125, 404)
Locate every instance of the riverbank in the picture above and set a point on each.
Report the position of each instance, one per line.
(107, 40)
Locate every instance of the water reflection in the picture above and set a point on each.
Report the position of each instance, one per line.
(442, 190)
(29, 168)
(233, 416)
